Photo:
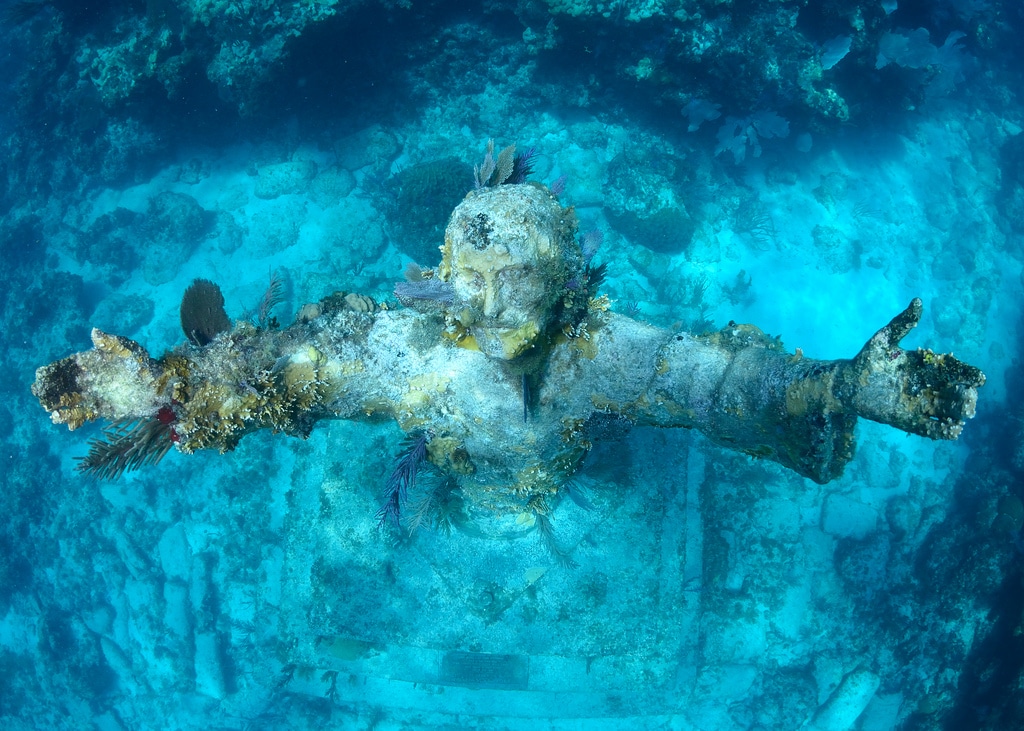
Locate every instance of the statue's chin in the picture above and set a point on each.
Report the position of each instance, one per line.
(506, 343)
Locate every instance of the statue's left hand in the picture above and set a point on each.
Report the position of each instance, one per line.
(917, 391)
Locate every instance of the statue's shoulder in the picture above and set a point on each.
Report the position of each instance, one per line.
(618, 334)
(608, 343)
(408, 329)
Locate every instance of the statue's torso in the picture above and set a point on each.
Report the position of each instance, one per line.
(507, 449)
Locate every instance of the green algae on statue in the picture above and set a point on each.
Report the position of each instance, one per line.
(507, 360)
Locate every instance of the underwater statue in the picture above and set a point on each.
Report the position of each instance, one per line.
(503, 367)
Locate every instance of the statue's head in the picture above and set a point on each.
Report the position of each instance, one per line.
(511, 255)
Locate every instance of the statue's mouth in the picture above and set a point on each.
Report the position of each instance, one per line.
(506, 342)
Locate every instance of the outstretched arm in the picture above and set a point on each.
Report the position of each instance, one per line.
(210, 396)
(741, 389)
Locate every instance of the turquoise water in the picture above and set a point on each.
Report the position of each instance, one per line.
(805, 169)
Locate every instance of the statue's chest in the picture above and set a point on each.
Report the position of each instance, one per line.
(494, 401)
(488, 410)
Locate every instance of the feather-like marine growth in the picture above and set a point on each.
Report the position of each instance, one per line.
(522, 166)
(558, 552)
(129, 445)
(439, 506)
(426, 290)
(578, 494)
(595, 276)
(403, 478)
(272, 297)
(507, 168)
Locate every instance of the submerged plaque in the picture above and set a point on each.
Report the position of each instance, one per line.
(485, 670)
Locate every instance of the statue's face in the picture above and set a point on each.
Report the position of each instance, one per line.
(507, 254)
(506, 299)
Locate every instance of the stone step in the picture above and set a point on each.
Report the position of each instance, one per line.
(564, 692)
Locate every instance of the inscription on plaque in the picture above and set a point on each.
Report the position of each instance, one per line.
(485, 670)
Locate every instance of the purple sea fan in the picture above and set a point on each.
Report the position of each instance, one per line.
(523, 166)
(592, 241)
(403, 478)
(433, 290)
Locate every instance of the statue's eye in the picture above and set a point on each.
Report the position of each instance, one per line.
(513, 275)
(475, 283)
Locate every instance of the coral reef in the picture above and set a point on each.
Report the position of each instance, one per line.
(732, 70)
(645, 202)
(417, 201)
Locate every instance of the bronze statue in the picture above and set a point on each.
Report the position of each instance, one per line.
(503, 366)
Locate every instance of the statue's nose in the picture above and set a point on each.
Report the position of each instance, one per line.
(490, 302)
